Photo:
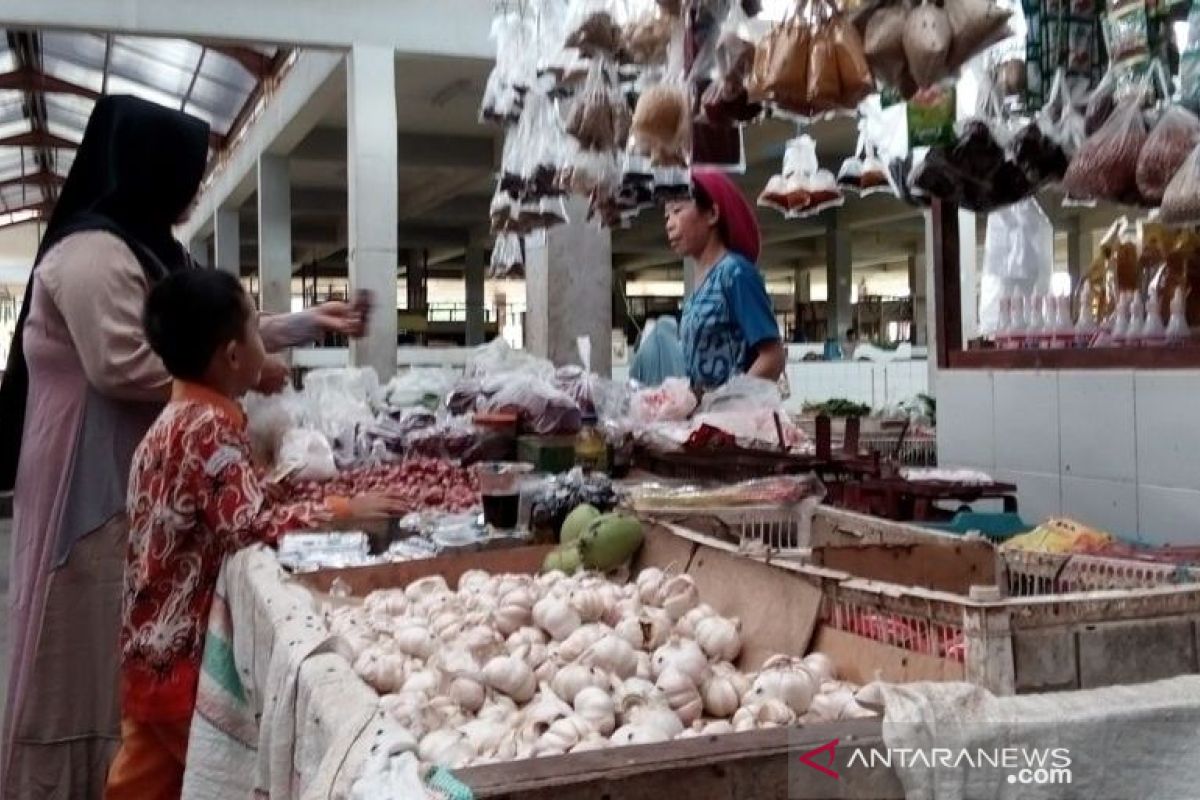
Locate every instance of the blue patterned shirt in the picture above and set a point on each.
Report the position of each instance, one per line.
(725, 319)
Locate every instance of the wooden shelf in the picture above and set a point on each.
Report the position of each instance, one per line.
(1100, 358)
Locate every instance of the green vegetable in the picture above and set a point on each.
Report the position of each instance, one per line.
(565, 559)
(609, 541)
(576, 522)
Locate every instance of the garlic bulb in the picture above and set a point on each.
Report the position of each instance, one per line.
(446, 748)
(686, 626)
(512, 676)
(720, 695)
(545, 672)
(683, 654)
(546, 707)
(637, 734)
(630, 629)
(483, 735)
(595, 705)
(574, 645)
(794, 687)
(526, 635)
(475, 581)
(425, 681)
(740, 680)
(563, 735)
(612, 654)
(656, 628)
(821, 667)
(390, 602)
(682, 695)
(657, 717)
(383, 672)
(649, 582)
(481, 641)
(719, 638)
(573, 679)
(426, 588)
(593, 742)
(766, 714)
(556, 618)
(498, 708)
(468, 693)
(590, 604)
(403, 706)
(514, 610)
(415, 640)
(533, 654)
(645, 669)
(679, 596)
(622, 608)
(634, 692)
(718, 727)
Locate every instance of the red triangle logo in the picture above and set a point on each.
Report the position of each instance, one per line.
(829, 749)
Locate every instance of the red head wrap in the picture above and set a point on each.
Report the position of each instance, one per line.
(736, 221)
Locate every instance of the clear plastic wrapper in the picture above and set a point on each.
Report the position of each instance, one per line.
(802, 188)
(1181, 200)
(646, 37)
(1042, 149)
(1105, 168)
(268, 418)
(595, 119)
(927, 42)
(1175, 135)
(783, 490)
(540, 408)
(975, 25)
(673, 401)
(419, 386)
(593, 27)
(743, 393)
(306, 455)
(883, 43)
(508, 257)
(510, 78)
(1018, 253)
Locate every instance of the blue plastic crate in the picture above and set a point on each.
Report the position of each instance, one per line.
(997, 526)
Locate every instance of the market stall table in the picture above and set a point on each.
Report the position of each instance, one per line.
(899, 498)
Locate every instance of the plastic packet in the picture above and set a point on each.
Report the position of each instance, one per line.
(726, 100)
(927, 42)
(646, 38)
(1100, 103)
(1040, 148)
(802, 188)
(594, 119)
(593, 28)
(1105, 168)
(930, 112)
(1175, 135)
(780, 490)
(779, 74)
(742, 393)
(883, 44)
(508, 257)
(672, 401)
(509, 80)
(541, 408)
(1018, 255)
(306, 455)
(1181, 199)
(850, 173)
(975, 25)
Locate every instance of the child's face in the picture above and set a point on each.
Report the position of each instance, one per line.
(246, 357)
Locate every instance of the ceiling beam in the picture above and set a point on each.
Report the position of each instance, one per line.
(41, 177)
(27, 79)
(257, 64)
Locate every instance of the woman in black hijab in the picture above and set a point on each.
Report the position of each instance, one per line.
(81, 389)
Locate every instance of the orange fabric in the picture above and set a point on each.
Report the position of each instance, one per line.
(197, 393)
(149, 765)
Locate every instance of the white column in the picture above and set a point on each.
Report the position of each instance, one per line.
(198, 250)
(227, 241)
(839, 275)
(475, 292)
(371, 171)
(918, 284)
(931, 308)
(968, 260)
(568, 287)
(274, 234)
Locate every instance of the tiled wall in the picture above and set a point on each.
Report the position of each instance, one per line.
(1117, 449)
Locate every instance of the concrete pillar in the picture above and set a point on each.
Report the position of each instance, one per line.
(968, 259)
(838, 278)
(198, 250)
(568, 287)
(689, 277)
(918, 284)
(274, 234)
(416, 281)
(371, 170)
(931, 309)
(620, 300)
(801, 284)
(227, 245)
(475, 294)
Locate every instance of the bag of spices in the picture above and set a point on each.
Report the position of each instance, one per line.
(927, 41)
(975, 25)
(1174, 137)
(593, 120)
(1105, 168)
(824, 82)
(854, 73)
(1100, 104)
(1181, 199)
(780, 71)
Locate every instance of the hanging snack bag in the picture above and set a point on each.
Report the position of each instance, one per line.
(1174, 137)
(646, 38)
(508, 257)
(1181, 200)
(854, 73)
(850, 174)
(975, 25)
(726, 101)
(661, 124)
(883, 44)
(592, 28)
(927, 41)
(1105, 168)
(593, 121)
(780, 71)
(1100, 104)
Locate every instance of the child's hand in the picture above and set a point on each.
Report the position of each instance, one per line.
(376, 506)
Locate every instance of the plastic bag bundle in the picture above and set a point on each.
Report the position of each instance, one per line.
(1043, 148)
(802, 188)
(508, 257)
(646, 38)
(1018, 254)
(529, 196)
(1181, 199)
(864, 173)
(593, 27)
(540, 408)
(1105, 168)
(1175, 135)
(306, 455)
(726, 100)
(510, 78)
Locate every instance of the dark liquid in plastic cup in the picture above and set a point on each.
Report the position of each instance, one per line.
(500, 510)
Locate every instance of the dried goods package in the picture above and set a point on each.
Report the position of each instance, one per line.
(1105, 168)
(1168, 146)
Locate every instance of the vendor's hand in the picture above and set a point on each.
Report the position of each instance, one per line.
(377, 506)
(276, 375)
(343, 318)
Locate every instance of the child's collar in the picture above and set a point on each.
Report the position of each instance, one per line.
(193, 392)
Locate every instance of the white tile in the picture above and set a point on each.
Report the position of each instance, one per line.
(1169, 516)
(1027, 421)
(1106, 505)
(1097, 425)
(965, 425)
(1168, 438)
(1039, 496)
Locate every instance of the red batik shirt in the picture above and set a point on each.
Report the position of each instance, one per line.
(194, 498)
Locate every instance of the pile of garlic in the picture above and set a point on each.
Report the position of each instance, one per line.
(518, 666)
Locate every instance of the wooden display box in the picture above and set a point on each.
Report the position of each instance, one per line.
(779, 611)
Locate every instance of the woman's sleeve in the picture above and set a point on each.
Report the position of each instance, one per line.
(750, 305)
(281, 331)
(100, 289)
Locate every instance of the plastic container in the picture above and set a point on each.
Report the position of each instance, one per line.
(591, 452)
(499, 490)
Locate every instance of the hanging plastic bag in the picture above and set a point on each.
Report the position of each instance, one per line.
(780, 72)
(802, 188)
(508, 257)
(854, 73)
(1018, 254)
(503, 96)
(1100, 104)
(927, 41)
(1105, 168)
(726, 101)
(850, 174)
(1174, 137)
(975, 25)
(1181, 199)
(594, 121)
(883, 44)
(1039, 148)
(592, 28)
(646, 38)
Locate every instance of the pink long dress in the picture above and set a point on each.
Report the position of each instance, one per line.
(94, 389)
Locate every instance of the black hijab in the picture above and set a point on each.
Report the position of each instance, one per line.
(135, 173)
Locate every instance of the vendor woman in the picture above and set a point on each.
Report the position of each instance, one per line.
(728, 322)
